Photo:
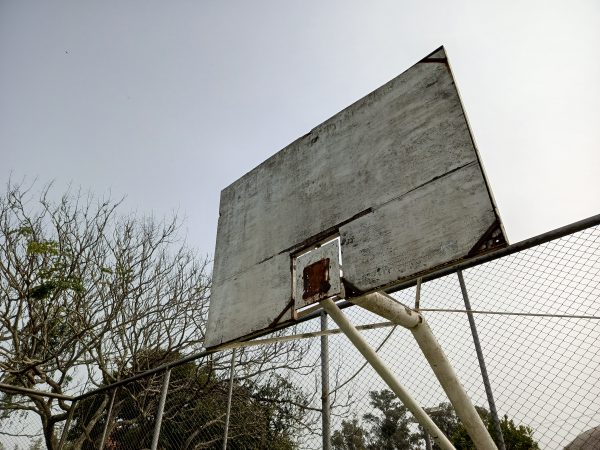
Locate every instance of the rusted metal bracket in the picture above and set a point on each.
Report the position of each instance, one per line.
(317, 274)
(316, 283)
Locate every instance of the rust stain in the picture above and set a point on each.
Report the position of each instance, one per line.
(350, 289)
(492, 239)
(316, 280)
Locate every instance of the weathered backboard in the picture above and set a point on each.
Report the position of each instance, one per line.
(396, 176)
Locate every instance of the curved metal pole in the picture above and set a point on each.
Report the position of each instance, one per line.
(386, 374)
(396, 312)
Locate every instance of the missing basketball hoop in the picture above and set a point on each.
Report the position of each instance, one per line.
(316, 273)
(396, 175)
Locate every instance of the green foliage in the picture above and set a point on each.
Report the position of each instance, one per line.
(264, 416)
(444, 417)
(390, 424)
(38, 444)
(43, 290)
(81, 291)
(350, 437)
(48, 288)
(42, 248)
(515, 437)
(22, 231)
(388, 427)
(53, 269)
(518, 437)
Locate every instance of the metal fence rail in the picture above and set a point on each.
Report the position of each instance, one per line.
(521, 328)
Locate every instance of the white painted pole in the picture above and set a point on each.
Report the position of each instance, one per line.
(395, 312)
(386, 374)
(229, 398)
(385, 306)
(325, 405)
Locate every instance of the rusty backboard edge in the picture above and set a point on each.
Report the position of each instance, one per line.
(492, 239)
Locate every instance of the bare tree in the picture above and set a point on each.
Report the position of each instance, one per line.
(83, 291)
(89, 297)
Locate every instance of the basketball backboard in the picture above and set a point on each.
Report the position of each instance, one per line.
(395, 177)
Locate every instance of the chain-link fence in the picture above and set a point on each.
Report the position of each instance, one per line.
(535, 315)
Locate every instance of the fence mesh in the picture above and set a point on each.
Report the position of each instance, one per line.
(538, 319)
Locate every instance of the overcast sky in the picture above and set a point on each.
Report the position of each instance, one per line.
(168, 102)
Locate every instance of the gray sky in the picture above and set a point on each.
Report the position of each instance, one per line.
(168, 102)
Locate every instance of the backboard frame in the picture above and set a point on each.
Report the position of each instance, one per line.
(379, 171)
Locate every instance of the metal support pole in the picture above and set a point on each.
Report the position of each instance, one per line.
(229, 397)
(396, 312)
(108, 414)
(386, 374)
(325, 406)
(418, 294)
(161, 408)
(63, 437)
(417, 307)
(484, 374)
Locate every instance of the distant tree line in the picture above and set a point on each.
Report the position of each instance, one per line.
(390, 427)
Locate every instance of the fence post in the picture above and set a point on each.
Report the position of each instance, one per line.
(161, 408)
(229, 397)
(63, 437)
(482, 366)
(325, 406)
(108, 414)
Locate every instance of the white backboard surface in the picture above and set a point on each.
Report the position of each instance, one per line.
(396, 176)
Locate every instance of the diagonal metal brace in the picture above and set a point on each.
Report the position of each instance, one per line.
(386, 374)
(389, 308)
